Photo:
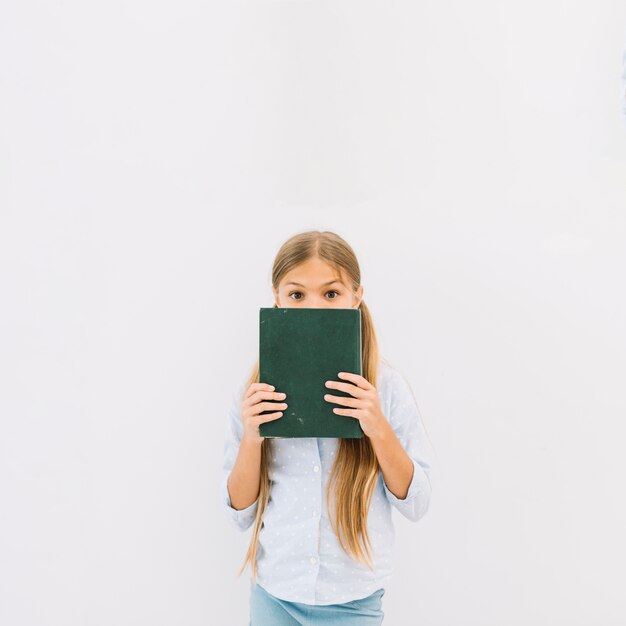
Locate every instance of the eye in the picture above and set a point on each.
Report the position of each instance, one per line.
(331, 291)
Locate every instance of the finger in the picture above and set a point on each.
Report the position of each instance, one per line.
(353, 402)
(357, 379)
(258, 387)
(347, 412)
(264, 395)
(267, 406)
(357, 392)
(269, 417)
(268, 395)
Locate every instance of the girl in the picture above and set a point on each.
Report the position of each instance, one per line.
(321, 547)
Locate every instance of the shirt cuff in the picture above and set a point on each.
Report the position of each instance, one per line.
(412, 486)
(417, 499)
(243, 518)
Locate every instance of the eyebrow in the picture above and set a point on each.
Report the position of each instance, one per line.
(324, 285)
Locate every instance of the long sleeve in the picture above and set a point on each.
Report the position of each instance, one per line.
(242, 518)
(407, 425)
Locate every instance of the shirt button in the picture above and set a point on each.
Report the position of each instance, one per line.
(313, 560)
(316, 468)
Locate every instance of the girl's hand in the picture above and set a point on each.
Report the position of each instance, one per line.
(365, 406)
(254, 403)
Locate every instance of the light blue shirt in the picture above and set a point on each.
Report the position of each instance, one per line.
(299, 558)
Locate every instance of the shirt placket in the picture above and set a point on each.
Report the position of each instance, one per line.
(315, 468)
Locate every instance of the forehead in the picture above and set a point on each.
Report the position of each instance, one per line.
(313, 277)
(309, 284)
(314, 273)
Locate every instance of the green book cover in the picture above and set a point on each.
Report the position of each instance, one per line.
(299, 350)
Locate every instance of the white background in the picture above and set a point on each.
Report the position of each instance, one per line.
(155, 155)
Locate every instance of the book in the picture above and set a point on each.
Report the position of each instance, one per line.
(299, 350)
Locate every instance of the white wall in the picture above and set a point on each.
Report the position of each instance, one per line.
(154, 156)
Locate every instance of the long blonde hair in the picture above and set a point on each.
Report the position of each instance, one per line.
(356, 469)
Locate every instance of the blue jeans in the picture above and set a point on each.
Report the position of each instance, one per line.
(268, 610)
